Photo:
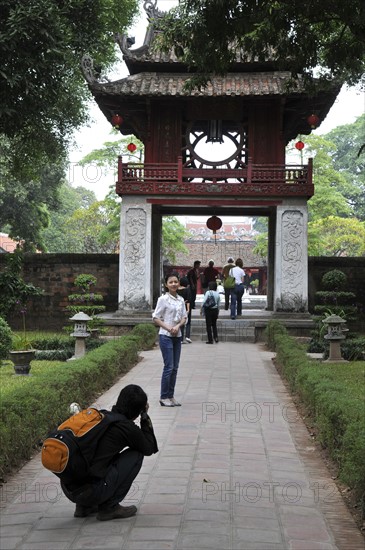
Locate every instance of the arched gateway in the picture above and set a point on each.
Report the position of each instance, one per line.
(251, 112)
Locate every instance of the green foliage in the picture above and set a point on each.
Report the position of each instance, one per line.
(349, 158)
(31, 408)
(173, 235)
(43, 94)
(87, 302)
(334, 395)
(334, 280)
(95, 230)
(85, 281)
(303, 37)
(14, 291)
(56, 237)
(5, 339)
(335, 236)
(273, 329)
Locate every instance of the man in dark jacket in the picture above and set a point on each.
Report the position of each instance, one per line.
(193, 276)
(114, 467)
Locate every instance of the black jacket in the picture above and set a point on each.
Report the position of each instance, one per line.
(119, 436)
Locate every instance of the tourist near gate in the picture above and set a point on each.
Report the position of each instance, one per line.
(253, 114)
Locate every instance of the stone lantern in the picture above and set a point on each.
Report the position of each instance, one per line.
(80, 333)
(335, 335)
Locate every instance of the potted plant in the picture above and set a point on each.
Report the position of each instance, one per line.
(22, 352)
(14, 295)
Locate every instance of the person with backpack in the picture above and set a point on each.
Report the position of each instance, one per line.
(116, 460)
(210, 308)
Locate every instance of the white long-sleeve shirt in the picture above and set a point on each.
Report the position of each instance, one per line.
(171, 310)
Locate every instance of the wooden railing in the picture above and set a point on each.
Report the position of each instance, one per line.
(253, 179)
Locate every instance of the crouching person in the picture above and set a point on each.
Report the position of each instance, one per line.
(117, 460)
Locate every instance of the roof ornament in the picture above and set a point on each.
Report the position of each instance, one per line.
(87, 67)
(91, 73)
(150, 7)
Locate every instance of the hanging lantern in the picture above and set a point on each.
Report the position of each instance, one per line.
(131, 147)
(299, 145)
(313, 120)
(117, 121)
(214, 223)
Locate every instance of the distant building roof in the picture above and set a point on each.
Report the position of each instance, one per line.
(6, 243)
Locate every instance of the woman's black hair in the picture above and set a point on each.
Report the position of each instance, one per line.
(212, 285)
(131, 402)
(172, 274)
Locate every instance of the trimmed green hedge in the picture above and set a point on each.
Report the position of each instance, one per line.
(334, 393)
(38, 403)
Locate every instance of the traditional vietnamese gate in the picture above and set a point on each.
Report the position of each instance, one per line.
(249, 111)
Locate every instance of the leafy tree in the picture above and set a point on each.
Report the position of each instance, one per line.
(43, 96)
(334, 236)
(329, 183)
(349, 158)
(173, 235)
(56, 237)
(303, 37)
(24, 207)
(86, 228)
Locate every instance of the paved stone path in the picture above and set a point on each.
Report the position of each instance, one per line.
(236, 470)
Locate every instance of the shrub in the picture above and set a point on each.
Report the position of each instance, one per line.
(271, 331)
(5, 339)
(31, 408)
(334, 395)
(334, 280)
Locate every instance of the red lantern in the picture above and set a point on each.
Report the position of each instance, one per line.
(117, 121)
(214, 223)
(299, 145)
(131, 147)
(313, 120)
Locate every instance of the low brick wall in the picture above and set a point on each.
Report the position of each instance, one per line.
(55, 273)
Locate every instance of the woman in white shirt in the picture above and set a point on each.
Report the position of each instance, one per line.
(237, 292)
(170, 315)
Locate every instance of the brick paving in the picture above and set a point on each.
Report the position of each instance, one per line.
(236, 470)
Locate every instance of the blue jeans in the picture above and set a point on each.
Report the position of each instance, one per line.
(236, 299)
(170, 347)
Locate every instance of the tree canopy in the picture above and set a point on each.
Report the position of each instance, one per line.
(324, 38)
(43, 95)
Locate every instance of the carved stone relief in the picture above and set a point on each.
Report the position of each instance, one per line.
(134, 265)
(292, 262)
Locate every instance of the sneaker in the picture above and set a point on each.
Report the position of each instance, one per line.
(166, 403)
(118, 512)
(188, 340)
(84, 511)
(174, 402)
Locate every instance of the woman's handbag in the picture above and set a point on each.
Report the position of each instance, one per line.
(229, 282)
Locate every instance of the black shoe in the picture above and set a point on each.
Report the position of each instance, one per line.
(84, 511)
(216, 340)
(209, 342)
(118, 512)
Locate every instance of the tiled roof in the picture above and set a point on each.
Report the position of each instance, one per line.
(234, 84)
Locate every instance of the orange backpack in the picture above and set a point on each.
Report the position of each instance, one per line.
(68, 451)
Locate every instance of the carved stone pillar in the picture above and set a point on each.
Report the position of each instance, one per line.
(135, 261)
(291, 257)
